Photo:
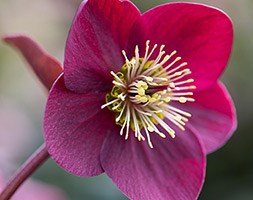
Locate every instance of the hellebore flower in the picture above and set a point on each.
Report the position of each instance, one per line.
(140, 99)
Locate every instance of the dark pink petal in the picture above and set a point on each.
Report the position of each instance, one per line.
(213, 116)
(75, 128)
(45, 66)
(200, 34)
(173, 170)
(98, 34)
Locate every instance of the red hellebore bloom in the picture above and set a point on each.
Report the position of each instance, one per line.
(140, 97)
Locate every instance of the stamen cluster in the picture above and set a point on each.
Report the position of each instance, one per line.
(143, 90)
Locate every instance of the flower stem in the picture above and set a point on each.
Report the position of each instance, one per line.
(36, 159)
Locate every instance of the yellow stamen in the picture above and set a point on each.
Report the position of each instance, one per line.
(143, 91)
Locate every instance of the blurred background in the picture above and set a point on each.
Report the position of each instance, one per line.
(22, 100)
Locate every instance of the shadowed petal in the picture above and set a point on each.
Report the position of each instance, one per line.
(200, 34)
(173, 170)
(98, 34)
(45, 66)
(75, 128)
(213, 117)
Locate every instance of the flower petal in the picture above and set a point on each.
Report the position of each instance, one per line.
(213, 116)
(173, 170)
(98, 34)
(75, 128)
(45, 66)
(200, 34)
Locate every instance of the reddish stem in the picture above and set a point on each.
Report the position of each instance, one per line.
(36, 159)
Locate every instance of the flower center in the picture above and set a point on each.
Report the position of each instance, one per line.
(143, 90)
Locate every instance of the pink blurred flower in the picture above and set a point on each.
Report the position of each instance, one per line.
(14, 124)
(145, 102)
(32, 190)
